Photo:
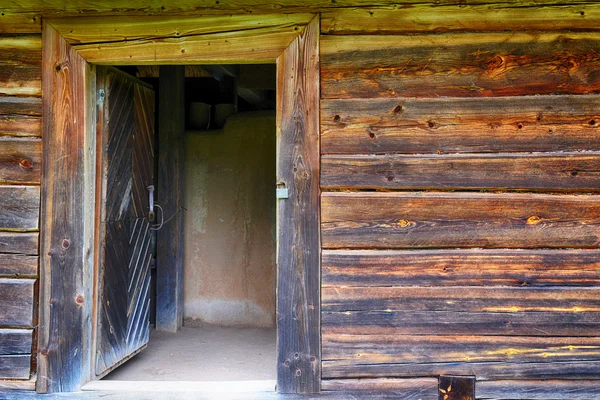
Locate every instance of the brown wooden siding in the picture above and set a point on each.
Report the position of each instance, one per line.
(460, 222)
(20, 171)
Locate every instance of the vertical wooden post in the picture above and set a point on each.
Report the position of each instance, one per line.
(169, 260)
(298, 216)
(67, 217)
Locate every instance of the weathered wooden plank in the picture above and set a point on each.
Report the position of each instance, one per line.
(349, 350)
(20, 161)
(25, 106)
(447, 17)
(413, 389)
(483, 371)
(19, 243)
(298, 242)
(232, 39)
(15, 387)
(18, 80)
(460, 125)
(426, 220)
(460, 268)
(20, 207)
(85, 30)
(144, 7)
(568, 172)
(19, 125)
(169, 263)
(21, 50)
(488, 64)
(15, 366)
(17, 22)
(538, 389)
(15, 341)
(460, 299)
(559, 323)
(16, 302)
(66, 244)
(18, 265)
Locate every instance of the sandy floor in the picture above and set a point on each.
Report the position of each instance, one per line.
(207, 353)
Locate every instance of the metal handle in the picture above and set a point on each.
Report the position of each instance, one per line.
(151, 203)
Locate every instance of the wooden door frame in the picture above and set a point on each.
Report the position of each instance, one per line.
(71, 48)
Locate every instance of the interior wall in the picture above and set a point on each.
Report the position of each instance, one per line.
(229, 224)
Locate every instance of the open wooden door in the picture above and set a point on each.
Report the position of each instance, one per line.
(125, 127)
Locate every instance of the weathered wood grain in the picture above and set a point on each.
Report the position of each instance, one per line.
(85, 30)
(155, 41)
(460, 125)
(488, 64)
(448, 17)
(460, 299)
(427, 220)
(65, 245)
(18, 265)
(19, 243)
(482, 370)
(16, 302)
(467, 267)
(19, 125)
(20, 207)
(169, 262)
(15, 366)
(413, 389)
(349, 350)
(538, 389)
(21, 50)
(17, 22)
(17, 80)
(559, 172)
(565, 323)
(298, 243)
(24, 106)
(17, 387)
(15, 341)
(20, 161)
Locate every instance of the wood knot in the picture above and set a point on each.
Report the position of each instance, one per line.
(404, 223)
(44, 352)
(298, 372)
(534, 220)
(26, 164)
(431, 124)
(79, 299)
(397, 109)
(66, 244)
(336, 118)
(495, 64)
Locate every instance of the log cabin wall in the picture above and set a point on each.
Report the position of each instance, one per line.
(20, 167)
(460, 198)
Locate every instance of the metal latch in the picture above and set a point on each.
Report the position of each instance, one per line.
(151, 203)
(281, 192)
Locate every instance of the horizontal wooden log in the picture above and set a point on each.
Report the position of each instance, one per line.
(16, 302)
(15, 366)
(20, 125)
(19, 243)
(262, 44)
(482, 65)
(483, 371)
(17, 80)
(21, 50)
(20, 161)
(484, 220)
(460, 323)
(460, 299)
(20, 207)
(15, 22)
(413, 389)
(444, 17)
(460, 125)
(348, 350)
(364, 268)
(558, 172)
(570, 389)
(18, 387)
(85, 30)
(18, 265)
(25, 106)
(15, 341)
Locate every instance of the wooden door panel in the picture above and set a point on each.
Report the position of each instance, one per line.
(126, 123)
